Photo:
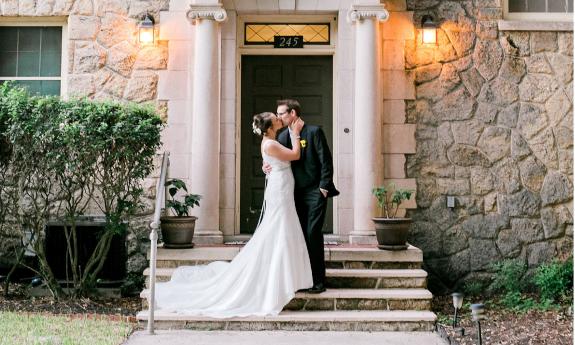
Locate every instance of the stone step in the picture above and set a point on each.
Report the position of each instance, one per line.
(348, 278)
(351, 257)
(404, 321)
(354, 299)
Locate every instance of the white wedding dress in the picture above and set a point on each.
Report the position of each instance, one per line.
(264, 275)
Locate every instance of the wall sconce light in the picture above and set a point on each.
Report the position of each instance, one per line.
(428, 30)
(146, 30)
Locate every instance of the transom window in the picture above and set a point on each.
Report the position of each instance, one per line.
(32, 56)
(263, 33)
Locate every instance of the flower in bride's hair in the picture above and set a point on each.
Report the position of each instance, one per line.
(256, 129)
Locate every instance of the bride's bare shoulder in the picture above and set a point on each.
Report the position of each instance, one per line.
(267, 144)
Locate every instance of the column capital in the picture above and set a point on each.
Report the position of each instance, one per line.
(360, 12)
(211, 12)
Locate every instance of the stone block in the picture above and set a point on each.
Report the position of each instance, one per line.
(227, 138)
(399, 138)
(179, 166)
(172, 85)
(142, 86)
(83, 27)
(152, 57)
(398, 85)
(121, 58)
(543, 41)
(81, 85)
(457, 105)
(393, 111)
(399, 26)
(499, 92)
(488, 57)
(175, 26)
(411, 304)
(408, 183)
(537, 88)
(319, 304)
(495, 142)
(178, 55)
(227, 193)
(117, 28)
(395, 5)
(179, 112)
(360, 304)
(394, 165)
(176, 139)
(556, 188)
(393, 55)
(523, 203)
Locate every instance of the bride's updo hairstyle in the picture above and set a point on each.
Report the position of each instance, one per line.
(262, 122)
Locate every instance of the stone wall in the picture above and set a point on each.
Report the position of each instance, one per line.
(494, 117)
(105, 61)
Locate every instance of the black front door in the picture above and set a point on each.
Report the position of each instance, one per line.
(265, 79)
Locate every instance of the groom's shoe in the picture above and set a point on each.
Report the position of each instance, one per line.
(317, 288)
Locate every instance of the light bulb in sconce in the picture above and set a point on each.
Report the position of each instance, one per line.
(428, 30)
(146, 30)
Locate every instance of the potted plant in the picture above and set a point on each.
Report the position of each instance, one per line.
(178, 230)
(391, 231)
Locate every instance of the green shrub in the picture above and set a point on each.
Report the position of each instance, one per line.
(66, 155)
(554, 279)
(509, 276)
(474, 288)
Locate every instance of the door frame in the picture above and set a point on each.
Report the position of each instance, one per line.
(242, 49)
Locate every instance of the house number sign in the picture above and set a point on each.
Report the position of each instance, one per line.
(288, 41)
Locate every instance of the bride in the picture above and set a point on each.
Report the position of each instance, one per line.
(272, 266)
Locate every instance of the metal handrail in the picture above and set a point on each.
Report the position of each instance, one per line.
(155, 226)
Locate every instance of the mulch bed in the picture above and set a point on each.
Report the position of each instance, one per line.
(109, 308)
(507, 327)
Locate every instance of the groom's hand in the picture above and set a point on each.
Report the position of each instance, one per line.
(266, 168)
(323, 192)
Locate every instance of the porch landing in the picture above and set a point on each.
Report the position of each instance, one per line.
(368, 290)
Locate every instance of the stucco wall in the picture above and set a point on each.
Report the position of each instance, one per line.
(494, 117)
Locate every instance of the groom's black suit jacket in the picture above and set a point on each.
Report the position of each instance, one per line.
(314, 169)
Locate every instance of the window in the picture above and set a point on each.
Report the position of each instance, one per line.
(539, 10)
(32, 56)
(263, 33)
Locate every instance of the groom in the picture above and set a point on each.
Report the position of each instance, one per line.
(313, 174)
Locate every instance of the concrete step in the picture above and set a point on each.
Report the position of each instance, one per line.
(348, 278)
(354, 299)
(345, 256)
(404, 321)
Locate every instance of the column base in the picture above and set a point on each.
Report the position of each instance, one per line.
(364, 237)
(208, 237)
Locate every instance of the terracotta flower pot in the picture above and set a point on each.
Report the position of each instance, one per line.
(178, 232)
(392, 232)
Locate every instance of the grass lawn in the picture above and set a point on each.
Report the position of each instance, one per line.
(23, 328)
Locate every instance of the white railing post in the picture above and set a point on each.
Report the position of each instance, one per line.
(155, 226)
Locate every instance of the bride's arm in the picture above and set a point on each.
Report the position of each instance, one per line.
(281, 152)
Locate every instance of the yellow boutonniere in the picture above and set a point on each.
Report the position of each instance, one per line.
(303, 143)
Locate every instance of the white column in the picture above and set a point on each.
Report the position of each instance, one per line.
(367, 166)
(205, 158)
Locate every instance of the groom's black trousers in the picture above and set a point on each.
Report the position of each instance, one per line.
(311, 207)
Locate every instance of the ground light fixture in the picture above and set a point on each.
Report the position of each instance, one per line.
(457, 304)
(428, 30)
(477, 313)
(146, 30)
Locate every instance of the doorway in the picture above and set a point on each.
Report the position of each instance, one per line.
(265, 79)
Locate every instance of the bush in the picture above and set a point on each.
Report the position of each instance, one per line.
(67, 155)
(554, 279)
(508, 276)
